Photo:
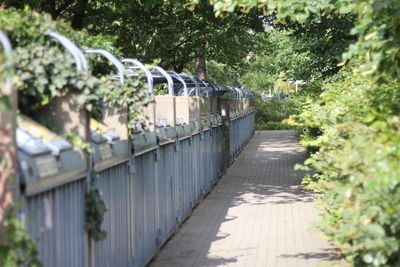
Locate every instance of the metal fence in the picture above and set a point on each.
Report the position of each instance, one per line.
(56, 221)
(144, 208)
(241, 129)
(150, 181)
(114, 250)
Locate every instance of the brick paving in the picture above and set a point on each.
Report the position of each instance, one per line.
(257, 215)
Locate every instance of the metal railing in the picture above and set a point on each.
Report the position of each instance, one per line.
(150, 183)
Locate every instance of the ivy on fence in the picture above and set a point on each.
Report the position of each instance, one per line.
(16, 246)
(43, 72)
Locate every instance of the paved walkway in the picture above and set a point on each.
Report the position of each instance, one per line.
(257, 215)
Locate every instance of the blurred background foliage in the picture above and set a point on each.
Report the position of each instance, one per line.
(345, 52)
(349, 118)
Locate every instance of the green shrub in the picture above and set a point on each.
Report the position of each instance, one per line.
(357, 165)
(44, 70)
(274, 125)
(274, 113)
(271, 113)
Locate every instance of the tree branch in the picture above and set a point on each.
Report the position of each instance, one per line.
(63, 8)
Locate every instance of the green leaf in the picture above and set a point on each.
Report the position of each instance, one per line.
(368, 258)
(375, 230)
(5, 103)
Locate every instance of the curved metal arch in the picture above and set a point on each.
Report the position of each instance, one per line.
(7, 48)
(202, 92)
(250, 94)
(137, 63)
(205, 91)
(120, 67)
(192, 79)
(176, 75)
(214, 87)
(166, 76)
(223, 89)
(239, 92)
(5, 43)
(232, 91)
(80, 60)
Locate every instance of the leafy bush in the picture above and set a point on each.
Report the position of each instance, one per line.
(354, 126)
(274, 113)
(357, 166)
(44, 71)
(271, 113)
(16, 246)
(273, 125)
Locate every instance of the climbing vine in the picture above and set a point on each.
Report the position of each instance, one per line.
(43, 72)
(16, 245)
(95, 208)
(5, 102)
(43, 69)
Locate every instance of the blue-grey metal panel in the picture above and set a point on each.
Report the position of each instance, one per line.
(204, 161)
(207, 173)
(231, 140)
(143, 205)
(202, 164)
(240, 134)
(165, 220)
(114, 250)
(56, 223)
(184, 178)
(176, 182)
(162, 187)
(166, 188)
(151, 232)
(208, 160)
(196, 160)
(192, 173)
(222, 148)
(237, 132)
(220, 143)
(204, 168)
(215, 154)
(171, 170)
(138, 217)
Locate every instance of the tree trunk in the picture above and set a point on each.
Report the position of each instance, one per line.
(201, 71)
(79, 15)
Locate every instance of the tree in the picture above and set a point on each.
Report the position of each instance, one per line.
(173, 36)
(74, 9)
(307, 51)
(354, 124)
(375, 27)
(161, 32)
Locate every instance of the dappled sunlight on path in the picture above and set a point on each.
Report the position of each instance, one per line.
(259, 214)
